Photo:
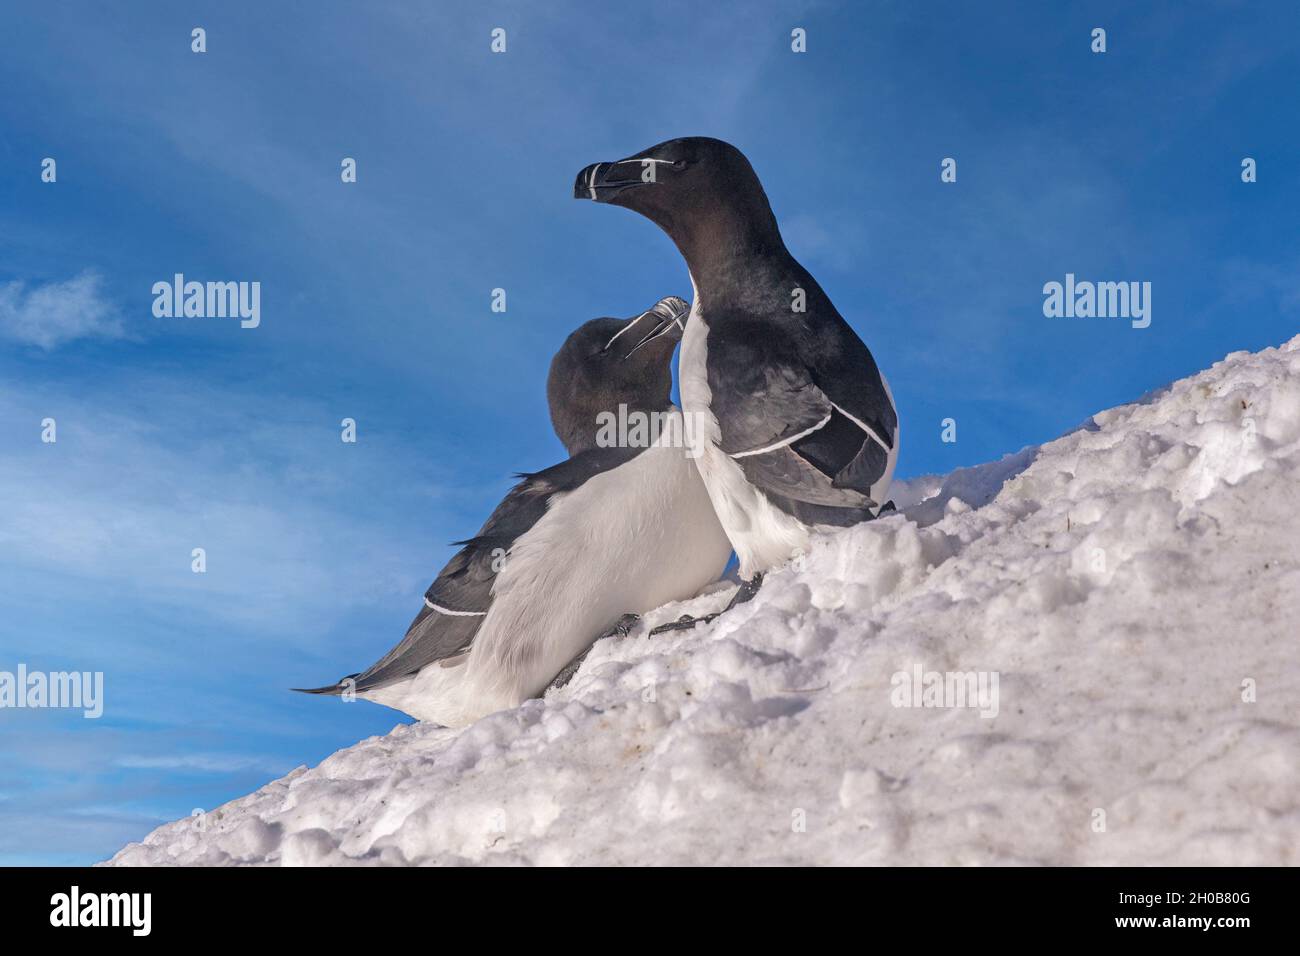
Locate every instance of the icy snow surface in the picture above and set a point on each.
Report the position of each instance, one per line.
(1133, 585)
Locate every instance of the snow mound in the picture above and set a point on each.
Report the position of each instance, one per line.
(1132, 588)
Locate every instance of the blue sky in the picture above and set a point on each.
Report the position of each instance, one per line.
(183, 433)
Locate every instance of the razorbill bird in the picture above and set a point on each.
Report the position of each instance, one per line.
(620, 528)
(796, 425)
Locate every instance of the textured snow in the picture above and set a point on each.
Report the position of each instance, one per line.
(1127, 583)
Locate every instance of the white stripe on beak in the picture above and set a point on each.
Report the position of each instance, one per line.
(625, 328)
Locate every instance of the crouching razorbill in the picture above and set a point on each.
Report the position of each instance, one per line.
(573, 550)
(796, 425)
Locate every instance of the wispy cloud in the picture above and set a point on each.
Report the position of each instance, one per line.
(297, 527)
(204, 762)
(56, 313)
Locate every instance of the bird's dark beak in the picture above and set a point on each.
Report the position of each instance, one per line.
(601, 182)
(672, 313)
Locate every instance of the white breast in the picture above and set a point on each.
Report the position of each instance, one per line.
(628, 541)
(763, 535)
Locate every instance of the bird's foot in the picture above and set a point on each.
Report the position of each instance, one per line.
(683, 623)
(621, 629)
(569, 669)
(624, 626)
(745, 592)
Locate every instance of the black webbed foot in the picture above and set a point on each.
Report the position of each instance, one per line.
(744, 593)
(683, 623)
(621, 629)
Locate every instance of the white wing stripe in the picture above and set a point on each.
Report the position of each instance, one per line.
(821, 424)
(784, 442)
(863, 425)
(450, 613)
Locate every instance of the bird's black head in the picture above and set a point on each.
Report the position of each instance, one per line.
(606, 363)
(701, 191)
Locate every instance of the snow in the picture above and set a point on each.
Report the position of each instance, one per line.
(1132, 586)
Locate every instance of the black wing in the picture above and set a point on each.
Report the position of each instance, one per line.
(813, 432)
(460, 597)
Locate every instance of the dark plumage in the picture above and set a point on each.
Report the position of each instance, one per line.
(801, 407)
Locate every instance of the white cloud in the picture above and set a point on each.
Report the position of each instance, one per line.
(204, 762)
(53, 314)
(298, 528)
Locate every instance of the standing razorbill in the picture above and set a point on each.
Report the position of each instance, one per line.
(796, 425)
(620, 528)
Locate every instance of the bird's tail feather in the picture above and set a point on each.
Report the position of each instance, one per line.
(333, 690)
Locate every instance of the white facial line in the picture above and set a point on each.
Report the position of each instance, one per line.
(784, 442)
(626, 327)
(643, 161)
(864, 426)
(450, 613)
